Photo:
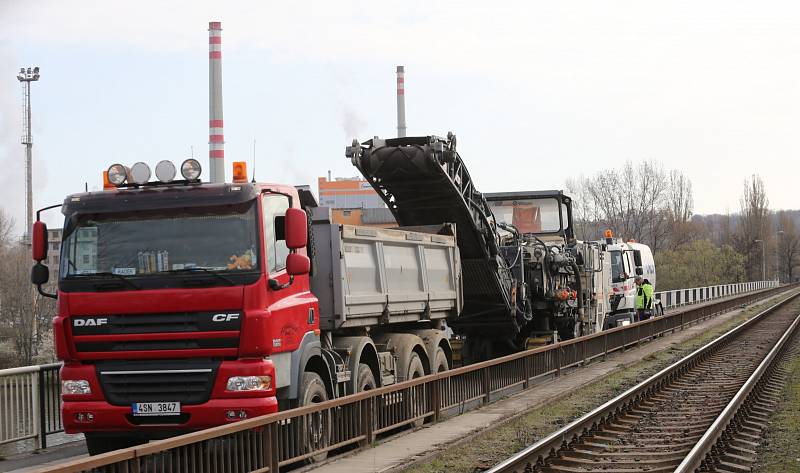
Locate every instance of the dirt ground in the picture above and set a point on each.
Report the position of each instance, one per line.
(780, 450)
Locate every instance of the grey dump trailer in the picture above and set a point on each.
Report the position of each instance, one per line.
(384, 295)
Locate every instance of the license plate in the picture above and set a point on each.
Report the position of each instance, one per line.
(156, 408)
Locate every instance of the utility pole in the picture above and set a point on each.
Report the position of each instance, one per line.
(26, 76)
(778, 255)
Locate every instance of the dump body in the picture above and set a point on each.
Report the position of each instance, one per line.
(368, 276)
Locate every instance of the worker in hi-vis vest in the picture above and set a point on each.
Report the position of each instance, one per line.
(644, 299)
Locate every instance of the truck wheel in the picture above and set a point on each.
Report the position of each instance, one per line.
(97, 443)
(415, 370)
(365, 380)
(440, 362)
(316, 428)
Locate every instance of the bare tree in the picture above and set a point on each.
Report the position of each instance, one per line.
(680, 204)
(6, 229)
(17, 313)
(25, 316)
(583, 213)
(753, 225)
(788, 246)
(630, 201)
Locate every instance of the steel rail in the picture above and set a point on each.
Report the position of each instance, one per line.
(708, 441)
(537, 453)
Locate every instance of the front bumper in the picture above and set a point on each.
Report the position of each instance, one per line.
(616, 319)
(108, 418)
(94, 413)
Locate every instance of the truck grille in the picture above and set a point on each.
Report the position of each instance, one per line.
(137, 345)
(132, 332)
(184, 381)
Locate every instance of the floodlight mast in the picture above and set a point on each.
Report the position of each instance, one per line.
(26, 76)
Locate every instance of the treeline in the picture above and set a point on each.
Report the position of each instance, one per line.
(652, 205)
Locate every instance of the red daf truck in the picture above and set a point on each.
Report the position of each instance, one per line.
(184, 305)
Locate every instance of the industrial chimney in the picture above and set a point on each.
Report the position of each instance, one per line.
(401, 102)
(216, 137)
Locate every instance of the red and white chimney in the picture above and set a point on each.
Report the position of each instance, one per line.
(401, 102)
(216, 137)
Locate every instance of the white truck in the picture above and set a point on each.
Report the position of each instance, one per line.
(623, 262)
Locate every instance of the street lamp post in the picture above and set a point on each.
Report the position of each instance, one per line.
(778, 255)
(26, 76)
(763, 259)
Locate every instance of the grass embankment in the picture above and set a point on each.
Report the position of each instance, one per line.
(780, 450)
(485, 449)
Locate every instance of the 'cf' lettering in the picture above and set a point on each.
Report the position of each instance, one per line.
(224, 317)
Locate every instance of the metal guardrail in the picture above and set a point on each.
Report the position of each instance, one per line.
(30, 403)
(267, 443)
(695, 295)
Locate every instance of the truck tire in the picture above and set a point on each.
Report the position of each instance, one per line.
(415, 370)
(440, 362)
(365, 380)
(97, 443)
(316, 431)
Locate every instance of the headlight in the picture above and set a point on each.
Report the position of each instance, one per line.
(117, 174)
(190, 169)
(249, 383)
(140, 173)
(75, 386)
(165, 171)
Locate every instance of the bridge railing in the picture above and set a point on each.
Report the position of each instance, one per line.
(696, 295)
(269, 443)
(30, 401)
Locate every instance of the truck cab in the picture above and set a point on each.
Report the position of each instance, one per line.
(180, 306)
(560, 271)
(625, 261)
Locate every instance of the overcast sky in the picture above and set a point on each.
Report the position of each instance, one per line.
(536, 91)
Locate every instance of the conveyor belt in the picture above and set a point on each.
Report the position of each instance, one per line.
(424, 182)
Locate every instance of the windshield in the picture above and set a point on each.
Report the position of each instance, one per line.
(529, 215)
(151, 242)
(617, 266)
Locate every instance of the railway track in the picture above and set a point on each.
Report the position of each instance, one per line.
(704, 413)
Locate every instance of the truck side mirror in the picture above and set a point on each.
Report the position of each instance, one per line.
(637, 258)
(39, 241)
(295, 227)
(297, 264)
(40, 274)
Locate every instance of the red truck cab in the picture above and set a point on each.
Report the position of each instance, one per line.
(181, 306)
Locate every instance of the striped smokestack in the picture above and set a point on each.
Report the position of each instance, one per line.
(401, 102)
(216, 138)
